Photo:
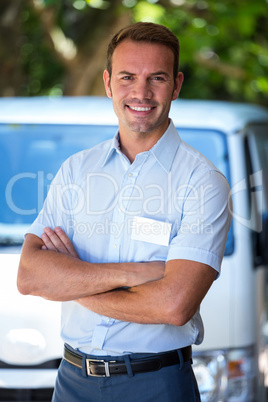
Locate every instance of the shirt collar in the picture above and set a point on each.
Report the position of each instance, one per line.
(114, 147)
(164, 150)
(166, 147)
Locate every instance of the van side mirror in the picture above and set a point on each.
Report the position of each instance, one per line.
(261, 243)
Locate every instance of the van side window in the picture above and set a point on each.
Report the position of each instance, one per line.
(257, 149)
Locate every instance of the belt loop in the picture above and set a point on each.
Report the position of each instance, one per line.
(181, 358)
(128, 366)
(84, 371)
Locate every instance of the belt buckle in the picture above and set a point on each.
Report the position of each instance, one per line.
(106, 367)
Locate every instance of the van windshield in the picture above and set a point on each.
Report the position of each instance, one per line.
(31, 155)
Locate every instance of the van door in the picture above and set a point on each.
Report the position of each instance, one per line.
(257, 150)
(258, 154)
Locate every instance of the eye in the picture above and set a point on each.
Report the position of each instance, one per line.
(127, 77)
(158, 78)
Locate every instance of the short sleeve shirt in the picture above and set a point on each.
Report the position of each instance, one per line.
(170, 203)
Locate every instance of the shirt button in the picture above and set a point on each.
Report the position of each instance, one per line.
(130, 175)
(114, 246)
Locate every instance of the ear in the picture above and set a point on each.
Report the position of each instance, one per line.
(107, 83)
(178, 84)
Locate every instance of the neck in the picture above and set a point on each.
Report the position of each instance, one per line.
(135, 146)
(132, 144)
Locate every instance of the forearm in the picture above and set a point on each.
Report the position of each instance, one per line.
(169, 300)
(144, 304)
(61, 277)
(56, 276)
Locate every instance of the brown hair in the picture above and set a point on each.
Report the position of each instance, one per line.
(145, 32)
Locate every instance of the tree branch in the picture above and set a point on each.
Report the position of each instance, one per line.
(82, 79)
(64, 48)
(225, 69)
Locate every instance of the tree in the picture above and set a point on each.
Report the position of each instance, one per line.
(59, 46)
(71, 37)
(224, 48)
(11, 74)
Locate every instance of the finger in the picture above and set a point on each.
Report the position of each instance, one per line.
(48, 245)
(66, 241)
(54, 240)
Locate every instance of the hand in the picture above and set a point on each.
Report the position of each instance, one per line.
(147, 272)
(57, 240)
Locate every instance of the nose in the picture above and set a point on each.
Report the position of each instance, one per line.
(142, 89)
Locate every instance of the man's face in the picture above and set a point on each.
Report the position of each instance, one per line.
(142, 87)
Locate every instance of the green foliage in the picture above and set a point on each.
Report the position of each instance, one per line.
(43, 73)
(224, 52)
(146, 11)
(223, 48)
(101, 4)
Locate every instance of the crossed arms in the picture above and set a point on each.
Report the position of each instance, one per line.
(157, 293)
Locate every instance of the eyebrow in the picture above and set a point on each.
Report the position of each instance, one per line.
(161, 73)
(154, 74)
(125, 73)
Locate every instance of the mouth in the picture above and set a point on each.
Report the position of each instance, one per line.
(140, 109)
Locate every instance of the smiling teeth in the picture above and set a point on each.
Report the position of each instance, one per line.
(140, 109)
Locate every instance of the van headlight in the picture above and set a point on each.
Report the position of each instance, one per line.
(23, 346)
(241, 375)
(225, 375)
(210, 372)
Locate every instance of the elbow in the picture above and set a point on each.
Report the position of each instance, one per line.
(29, 281)
(22, 288)
(178, 316)
(24, 281)
(22, 285)
(178, 320)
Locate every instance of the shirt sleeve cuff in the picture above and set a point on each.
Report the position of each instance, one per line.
(36, 229)
(194, 254)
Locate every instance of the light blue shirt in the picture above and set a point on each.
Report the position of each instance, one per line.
(100, 199)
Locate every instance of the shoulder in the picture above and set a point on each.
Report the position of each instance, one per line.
(197, 173)
(194, 158)
(196, 162)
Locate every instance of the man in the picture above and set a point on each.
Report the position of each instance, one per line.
(132, 286)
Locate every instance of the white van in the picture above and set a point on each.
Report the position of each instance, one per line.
(36, 135)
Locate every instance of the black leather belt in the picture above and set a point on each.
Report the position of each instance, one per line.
(102, 368)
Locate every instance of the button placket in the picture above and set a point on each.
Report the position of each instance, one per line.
(119, 213)
(118, 219)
